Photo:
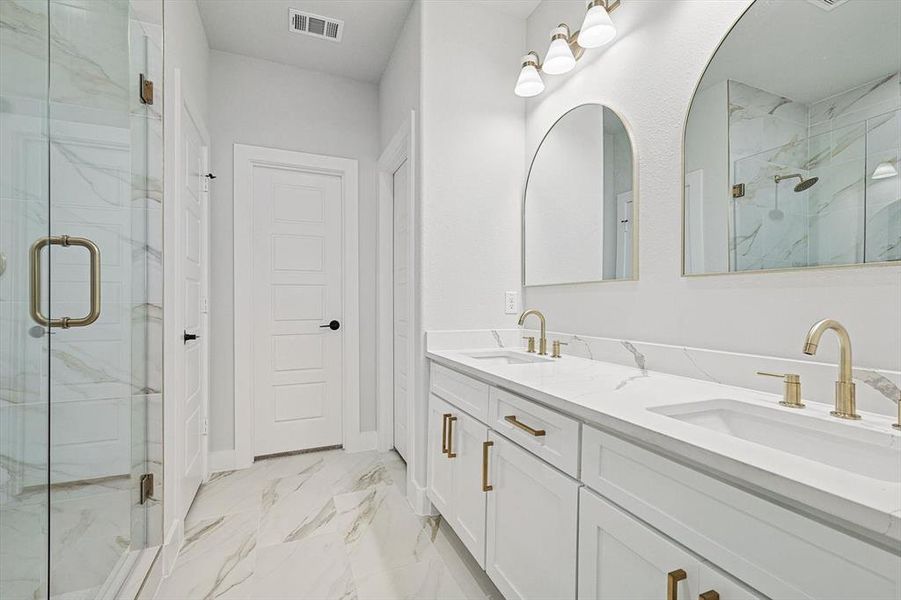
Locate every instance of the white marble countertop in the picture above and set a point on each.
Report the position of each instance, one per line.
(617, 398)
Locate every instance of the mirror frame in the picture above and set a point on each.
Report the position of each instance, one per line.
(636, 203)
(683, 274)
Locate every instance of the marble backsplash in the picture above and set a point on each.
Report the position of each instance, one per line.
(878, 390)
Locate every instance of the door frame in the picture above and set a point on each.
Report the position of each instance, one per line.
(246, 157)
(173, 315)
(398, 150)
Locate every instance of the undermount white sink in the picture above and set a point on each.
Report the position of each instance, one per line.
(505, 357)
(842, 445)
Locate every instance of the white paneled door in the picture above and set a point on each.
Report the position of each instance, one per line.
(401, 193)
(297, 333)
(192, 190)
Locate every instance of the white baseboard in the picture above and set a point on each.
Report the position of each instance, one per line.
(174, 537)
(221, 460)
(362, 442)
(419, 500)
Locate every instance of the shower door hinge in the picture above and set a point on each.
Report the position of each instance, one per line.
(738, 190)
(145, 90)
(146, 491)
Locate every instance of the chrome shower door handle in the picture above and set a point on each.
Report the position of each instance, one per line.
(35, 260)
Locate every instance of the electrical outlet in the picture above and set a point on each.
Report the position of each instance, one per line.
(511, 303)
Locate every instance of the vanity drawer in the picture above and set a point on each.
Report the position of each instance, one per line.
(777, 551)
(548, 434)
(464, 392)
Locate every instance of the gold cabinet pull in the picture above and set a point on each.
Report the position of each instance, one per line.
(513, 421)
(672, 581)
(450, 436)
(35, 260)
(485, 486)
(709, 595)
(444, 419)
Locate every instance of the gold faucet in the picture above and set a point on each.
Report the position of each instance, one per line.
(542, 342)
(845, 403)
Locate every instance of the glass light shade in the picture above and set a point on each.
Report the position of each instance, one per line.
(884, 170)
(559, 58)
(597, 28)
(529, 83)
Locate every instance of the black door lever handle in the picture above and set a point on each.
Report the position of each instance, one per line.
(333, 325)
(190, 336)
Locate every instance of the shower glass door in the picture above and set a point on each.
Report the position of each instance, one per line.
(80, 280)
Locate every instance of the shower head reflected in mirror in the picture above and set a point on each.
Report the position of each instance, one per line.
(804, 184)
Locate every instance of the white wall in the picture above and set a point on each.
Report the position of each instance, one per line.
(399, 85)
(186, 49)
(648, 76)
(269, 104)
(472, 172)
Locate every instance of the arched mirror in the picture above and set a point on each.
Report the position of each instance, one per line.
(579, 206)
(793, 140)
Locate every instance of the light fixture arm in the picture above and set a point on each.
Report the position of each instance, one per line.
(573, 39)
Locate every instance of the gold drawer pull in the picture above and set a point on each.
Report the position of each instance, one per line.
(710, 595)
(536, 432)
(450, 436)
(485, 486)
(672, 581)
(444, 419)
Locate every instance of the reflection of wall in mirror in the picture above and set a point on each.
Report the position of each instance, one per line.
(564, 215)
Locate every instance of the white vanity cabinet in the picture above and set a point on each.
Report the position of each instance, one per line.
(555, 508)
(532, 524)
(456, 442)
(622, 558)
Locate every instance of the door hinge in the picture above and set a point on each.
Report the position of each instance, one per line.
(204, 305)
(738, 190)
(145, 90)
(146, 491)
(204, 426)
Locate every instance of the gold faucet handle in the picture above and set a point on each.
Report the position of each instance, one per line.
(531, 342)
(555, 348)
(792, 395)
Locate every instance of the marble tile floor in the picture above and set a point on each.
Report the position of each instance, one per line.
(89, 531)
(322, 525)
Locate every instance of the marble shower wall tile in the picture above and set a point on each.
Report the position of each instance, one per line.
(767, 137)
(760, 121)
(878, 390)
(858, 104)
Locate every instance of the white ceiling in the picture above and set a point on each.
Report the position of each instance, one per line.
(516, 8)
(794, 49)
(259, 28)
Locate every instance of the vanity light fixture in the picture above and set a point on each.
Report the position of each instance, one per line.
(529, 83)
(560, 58)
(597, 28)
(884, 170)
(566, 48)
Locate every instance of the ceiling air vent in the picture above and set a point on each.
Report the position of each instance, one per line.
(827, 4)
(316, 25)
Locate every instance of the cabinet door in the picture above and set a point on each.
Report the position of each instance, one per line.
(440, 475)
(713, 580)
(468, 500)
(532, 525)
(621, 558)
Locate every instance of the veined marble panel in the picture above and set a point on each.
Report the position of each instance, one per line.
(858, 104)
(878, 390)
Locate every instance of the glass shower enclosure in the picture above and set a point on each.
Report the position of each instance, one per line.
(833, 198)
(80, 296)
